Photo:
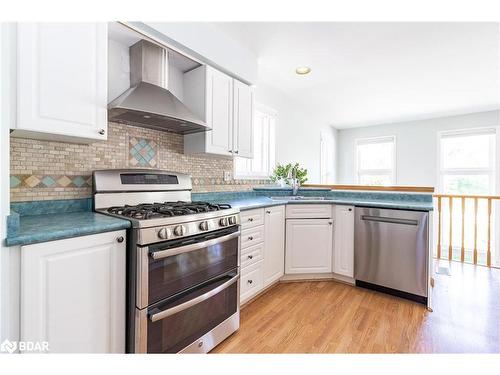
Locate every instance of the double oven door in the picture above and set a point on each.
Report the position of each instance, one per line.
(187, 293)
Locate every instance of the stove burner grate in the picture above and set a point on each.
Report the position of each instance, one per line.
(166, 209)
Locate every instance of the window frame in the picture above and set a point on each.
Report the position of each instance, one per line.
(248, 175)
(490, 171)
(382, 172)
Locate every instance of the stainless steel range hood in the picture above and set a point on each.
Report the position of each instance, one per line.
(148, 102)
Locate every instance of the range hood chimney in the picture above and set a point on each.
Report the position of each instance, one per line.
(148, 102)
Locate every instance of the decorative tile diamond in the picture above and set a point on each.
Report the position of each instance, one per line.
(78, 181)
(64, 181)
(48, 181)
(14, 181)
(143, 152)
(31, 181)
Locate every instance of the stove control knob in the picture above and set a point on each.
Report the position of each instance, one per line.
(232, 220)
(204, 225)
(164, 233)
(223, 222)
(179, 230)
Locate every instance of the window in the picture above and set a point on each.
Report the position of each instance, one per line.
(375, 161)
(467, 162)
(260, 167)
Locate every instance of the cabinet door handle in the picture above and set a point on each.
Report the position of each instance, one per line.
(250, 257)
(250, 238)
(120, 239)
(250, 219)
(268, 212)
(250, 281)
(330, 222)
(236, 152)
(350, 209)
(102, 132)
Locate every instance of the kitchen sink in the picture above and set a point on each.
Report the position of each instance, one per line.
(297, 198)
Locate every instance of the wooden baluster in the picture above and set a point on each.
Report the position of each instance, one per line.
(475, 230)
(462, 250)
(439, 229)
(488, 254)
(450, 247)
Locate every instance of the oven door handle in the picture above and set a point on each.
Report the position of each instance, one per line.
(196, 246)
(186, 305)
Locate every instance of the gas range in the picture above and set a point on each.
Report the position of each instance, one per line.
(183, 260)
(141, 196)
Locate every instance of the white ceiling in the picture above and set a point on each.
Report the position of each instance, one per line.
(372, 73)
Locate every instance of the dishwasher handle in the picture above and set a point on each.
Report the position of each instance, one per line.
(391, 220)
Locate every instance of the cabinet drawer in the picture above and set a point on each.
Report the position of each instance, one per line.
(252, 236)
(306, 211)
(251, 281)
(252, 218)
(252, 254)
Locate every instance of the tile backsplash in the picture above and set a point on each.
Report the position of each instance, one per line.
(42, 170)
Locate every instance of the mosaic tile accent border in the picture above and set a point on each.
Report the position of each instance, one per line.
(81, 181)
(142, 152)
(50, 181)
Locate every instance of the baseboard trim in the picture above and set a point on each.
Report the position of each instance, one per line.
(316, 277)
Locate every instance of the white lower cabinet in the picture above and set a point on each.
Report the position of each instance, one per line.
(309, 245)
(73, 293)
(274, 244)
(343, 262)
(251, 281)
(262, 249)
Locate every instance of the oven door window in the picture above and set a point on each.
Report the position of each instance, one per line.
(175, 324)
(174, 273)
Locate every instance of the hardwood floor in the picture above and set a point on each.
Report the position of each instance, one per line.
(331, 317)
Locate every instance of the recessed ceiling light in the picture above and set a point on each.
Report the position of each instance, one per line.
(303, 70)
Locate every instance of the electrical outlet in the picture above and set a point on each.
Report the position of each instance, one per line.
(227, 176)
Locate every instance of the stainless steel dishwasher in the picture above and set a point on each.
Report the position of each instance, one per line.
(391, 251)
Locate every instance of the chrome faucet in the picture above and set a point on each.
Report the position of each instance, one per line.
(295, 183)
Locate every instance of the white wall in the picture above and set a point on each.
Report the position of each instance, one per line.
(416, 146)
(9, 256)
(209, 44)
(298, 133)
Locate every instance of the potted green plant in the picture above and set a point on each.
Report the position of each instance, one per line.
(281, 173)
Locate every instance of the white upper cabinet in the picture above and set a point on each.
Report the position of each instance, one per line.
(343, 262)
(62, 81)
(73, 293)
(243, 104)
(226, 105)
(219, 112)
(274, 244)
(309, 246)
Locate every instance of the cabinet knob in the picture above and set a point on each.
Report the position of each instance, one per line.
(236, 152)
(250, 257)
(268, 212)
(350, 209)
(250, 238)
(250, 219)
(250, 281)
(330, 222)
(120, 239)
(102, 132)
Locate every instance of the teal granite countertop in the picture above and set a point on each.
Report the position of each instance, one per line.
(262, 197)
(42, 221)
